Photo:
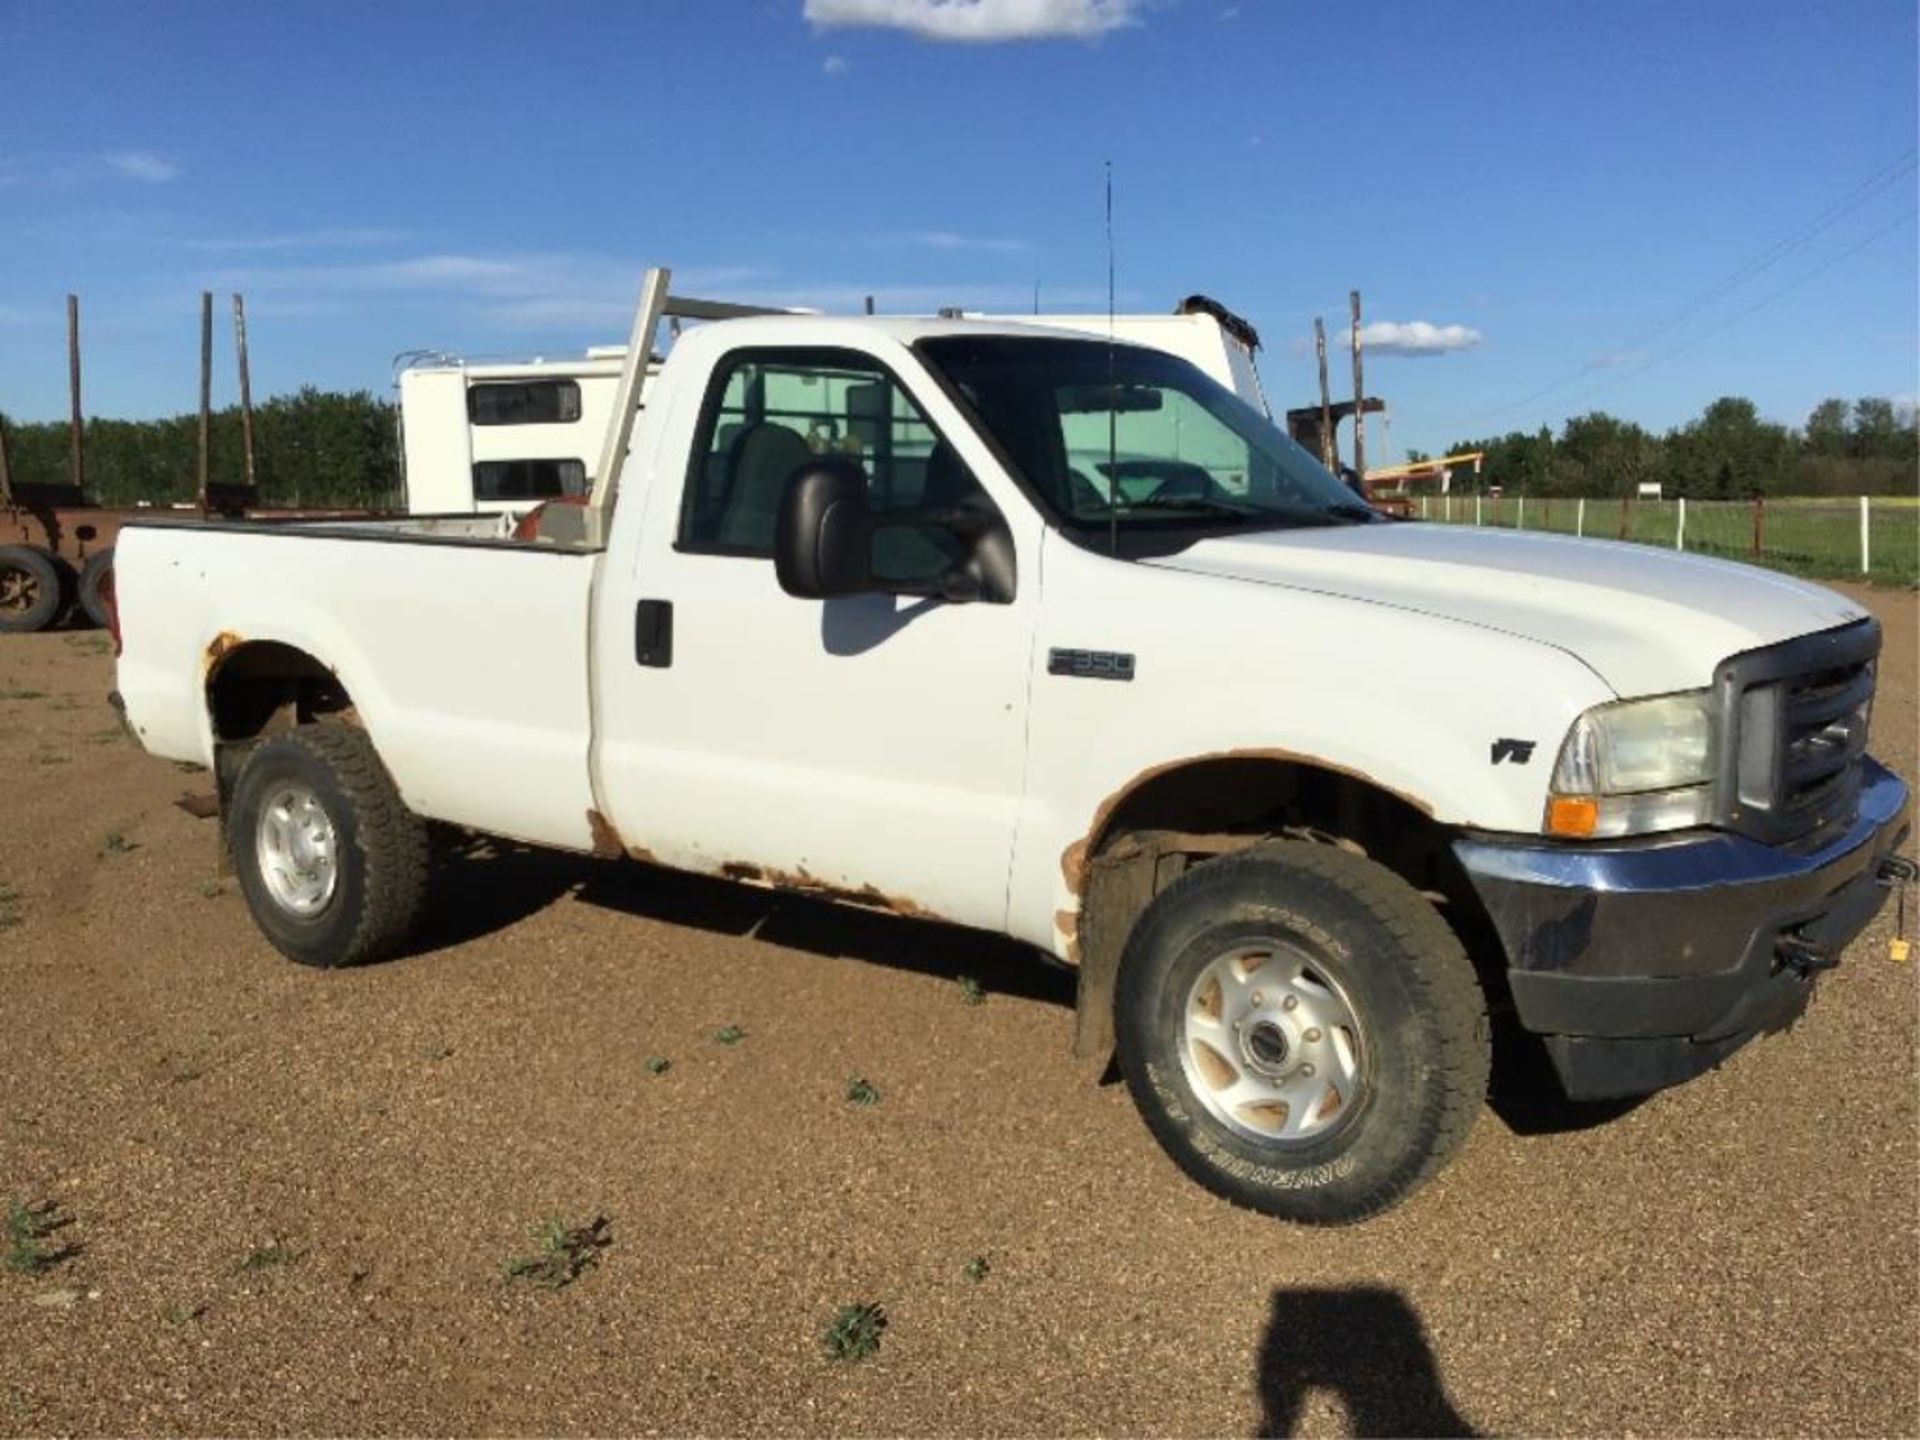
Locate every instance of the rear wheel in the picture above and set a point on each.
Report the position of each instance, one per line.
(332, 863)
(92, 574)
(1301, 1032)
(33, 589)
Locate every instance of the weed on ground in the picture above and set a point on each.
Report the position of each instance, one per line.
(29, 1245)
(854, 1332)
(563, 1253)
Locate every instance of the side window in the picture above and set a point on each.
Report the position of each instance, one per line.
(523, 402)
(769, 413)
(528, 479)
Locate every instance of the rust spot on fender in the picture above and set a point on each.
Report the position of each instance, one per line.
(606, 840)
(1073, 860)
(1067, 922)
(642, 854)
(221, 646)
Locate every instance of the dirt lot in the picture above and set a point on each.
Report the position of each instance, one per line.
(294, 1192)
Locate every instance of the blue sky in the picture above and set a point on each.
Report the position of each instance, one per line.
(1549, 207)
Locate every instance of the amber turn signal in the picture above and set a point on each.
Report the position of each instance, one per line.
(1573, 816)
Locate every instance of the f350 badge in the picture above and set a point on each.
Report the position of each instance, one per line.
(1091, 664)
(1518, 751)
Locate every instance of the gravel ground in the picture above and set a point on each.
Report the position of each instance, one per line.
(294, 1193)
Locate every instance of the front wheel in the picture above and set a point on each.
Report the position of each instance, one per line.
(331, 861)
(1301, 1032)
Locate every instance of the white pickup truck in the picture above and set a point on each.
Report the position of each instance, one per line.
(1056, 637)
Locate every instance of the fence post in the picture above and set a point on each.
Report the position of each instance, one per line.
(1580, 517)
(1759, 525)
(1866, 549)
(1476, 507)
(1680, 526)
(1447, 500)
(1625, 501)
(1520, 514)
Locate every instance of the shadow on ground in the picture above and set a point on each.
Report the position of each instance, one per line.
(1364, 1345)
(1526, 1095)
(481, 885)
(924, 947)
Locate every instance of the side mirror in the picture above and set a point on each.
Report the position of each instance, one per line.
(823, 538)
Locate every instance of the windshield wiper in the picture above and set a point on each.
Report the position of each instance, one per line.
(1199, 504)
(1353, 510)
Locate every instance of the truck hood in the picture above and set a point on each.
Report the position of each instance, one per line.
(1648, 621)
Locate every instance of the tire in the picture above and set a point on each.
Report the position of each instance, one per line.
(92, 604)
(318, 792)
(34, 587)
(1325, 1123)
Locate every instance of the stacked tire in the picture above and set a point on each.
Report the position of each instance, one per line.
(37, 588)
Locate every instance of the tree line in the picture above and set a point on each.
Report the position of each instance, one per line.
(333, 448)
(1866, 447)
(315, 447)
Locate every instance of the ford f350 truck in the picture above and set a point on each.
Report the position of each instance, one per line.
(1056, 637)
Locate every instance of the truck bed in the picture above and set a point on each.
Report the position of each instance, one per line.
(463, 649)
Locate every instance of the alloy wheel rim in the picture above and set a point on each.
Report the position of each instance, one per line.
(297, 847)
(1271, 1045)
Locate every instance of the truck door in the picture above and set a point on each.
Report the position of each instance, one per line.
(870, 745)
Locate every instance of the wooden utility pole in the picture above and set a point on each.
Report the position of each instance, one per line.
(77, 457)
(1359, 396)
(6, 474)
(206, 387)
(1326, 396)
(246, 387)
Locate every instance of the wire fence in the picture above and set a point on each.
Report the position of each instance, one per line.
(1869, 538)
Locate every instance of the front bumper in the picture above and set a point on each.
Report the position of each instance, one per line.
(1645, 962)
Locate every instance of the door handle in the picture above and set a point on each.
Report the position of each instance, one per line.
(653, 633)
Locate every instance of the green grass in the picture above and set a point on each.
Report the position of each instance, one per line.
(19, 694)
(117, 844)
(861, 1091)
(1818, 538)
(658, 1064)
(729, 1035)
(270, 1256)
(9, 907)
(976, 1269)
(562, 1253)
(854, 1332)
(972, 991)
(29, 1248)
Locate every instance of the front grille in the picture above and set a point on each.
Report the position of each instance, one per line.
(1794, 726)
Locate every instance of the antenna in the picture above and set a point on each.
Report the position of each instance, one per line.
(1113, 394)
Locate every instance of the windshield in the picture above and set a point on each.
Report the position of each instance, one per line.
(1135, 438)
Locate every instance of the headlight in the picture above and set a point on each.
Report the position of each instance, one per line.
(1634, 767)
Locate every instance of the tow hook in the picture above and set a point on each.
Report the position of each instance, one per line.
(1803, 957)
(1896, 872)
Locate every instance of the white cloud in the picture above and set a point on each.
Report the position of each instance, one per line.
(979, 21)
(143, 165)
(949, 240)
(835, 65)
(300, 240)
(1416, 337)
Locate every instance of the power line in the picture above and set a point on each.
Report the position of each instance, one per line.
(1759, 304)
(1824, 220)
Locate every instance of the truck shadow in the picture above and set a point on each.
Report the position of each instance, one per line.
(1000, 965)
(1362, 1343)
(479, 885)
(1525, 1091)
